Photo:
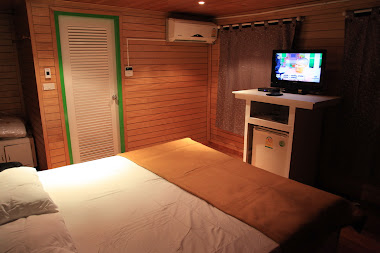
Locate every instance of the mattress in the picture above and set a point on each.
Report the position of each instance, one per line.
(115, 205)
(298, 217)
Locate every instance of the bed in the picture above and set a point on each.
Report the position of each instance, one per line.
(185, 197)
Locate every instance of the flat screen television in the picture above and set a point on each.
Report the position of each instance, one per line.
(298, 71)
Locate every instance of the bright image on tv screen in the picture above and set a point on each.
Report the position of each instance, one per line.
(303, 67)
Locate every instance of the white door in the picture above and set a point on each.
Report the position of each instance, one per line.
(90, 80)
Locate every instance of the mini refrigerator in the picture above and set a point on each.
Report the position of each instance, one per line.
(269, 148)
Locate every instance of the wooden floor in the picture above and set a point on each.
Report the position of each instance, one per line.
(350, 241)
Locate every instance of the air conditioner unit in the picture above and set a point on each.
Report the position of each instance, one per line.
(181, 30)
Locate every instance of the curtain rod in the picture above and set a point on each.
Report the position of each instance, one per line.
(285, 9)
(358, 11)
(260, 22)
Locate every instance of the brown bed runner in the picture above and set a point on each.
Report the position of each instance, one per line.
(296, 216)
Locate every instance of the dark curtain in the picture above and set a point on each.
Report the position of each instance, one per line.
(360, 139)
(245, 63)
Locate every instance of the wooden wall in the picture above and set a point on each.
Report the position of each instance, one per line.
(28, 82)
(322, 28)
(165, 100)
(168, 96)
(11, 102)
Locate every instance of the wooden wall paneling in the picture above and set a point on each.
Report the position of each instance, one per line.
(162, 127)
(168, 76)
(322, 28)
(160, 110)
(164, 115)
(42, 13)
(11, 99)
(159, 98)
(155, 86)
(41, 18)
(172, 104)
(198, 135)
(143, 25)
(122, 64)
(56, 125)
(209, 82)
(153, 123)
(28, 82)
(166, 99)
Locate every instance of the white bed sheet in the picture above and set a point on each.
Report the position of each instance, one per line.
(44, 233)
(114, 205)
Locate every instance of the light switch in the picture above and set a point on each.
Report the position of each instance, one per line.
(49, 86)
(47, 73)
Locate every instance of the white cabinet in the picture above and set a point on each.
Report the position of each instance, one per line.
(297, 116)
(18, 150)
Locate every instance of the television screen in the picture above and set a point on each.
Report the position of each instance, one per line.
(301, 69)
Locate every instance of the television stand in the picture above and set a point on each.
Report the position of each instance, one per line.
(296, 91)
(299, 117)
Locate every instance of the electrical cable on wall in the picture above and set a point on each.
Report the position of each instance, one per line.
(128, 39)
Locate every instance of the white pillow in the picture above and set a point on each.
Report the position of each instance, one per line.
(22, 195)
(44, 233)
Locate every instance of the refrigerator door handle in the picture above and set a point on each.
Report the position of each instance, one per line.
(272, 131)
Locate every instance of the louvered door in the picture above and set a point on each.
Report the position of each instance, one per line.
(90, 82)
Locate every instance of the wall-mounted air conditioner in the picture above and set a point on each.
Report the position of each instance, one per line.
(181, 30)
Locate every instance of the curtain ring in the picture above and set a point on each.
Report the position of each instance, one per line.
(240, 27)
(280, 22)
(349, 15)
(230, 28)
(294, 22)
(266, 24)
(375, 11)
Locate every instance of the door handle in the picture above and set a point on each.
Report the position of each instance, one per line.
(114, 97)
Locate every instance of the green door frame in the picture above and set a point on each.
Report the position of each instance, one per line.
(118, 73)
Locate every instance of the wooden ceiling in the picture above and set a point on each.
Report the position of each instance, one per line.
(216, 8)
